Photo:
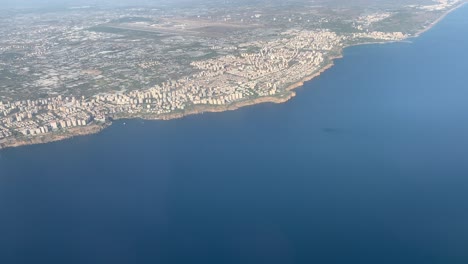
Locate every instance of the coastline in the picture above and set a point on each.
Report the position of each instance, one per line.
(52, 137)
(446, 13)
(96, 128)
(288, 94)
(282, 98)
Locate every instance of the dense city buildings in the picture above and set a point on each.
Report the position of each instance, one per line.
(64, 72)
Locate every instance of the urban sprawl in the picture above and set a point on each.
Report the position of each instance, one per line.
(126, 63)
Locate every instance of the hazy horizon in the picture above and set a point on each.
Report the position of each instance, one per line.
(7, 4)
(71, 3)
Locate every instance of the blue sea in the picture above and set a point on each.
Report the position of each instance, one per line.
(368, 164)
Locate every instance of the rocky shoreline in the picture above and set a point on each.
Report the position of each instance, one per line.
(52, 137)
(281, 98)
(96, 128)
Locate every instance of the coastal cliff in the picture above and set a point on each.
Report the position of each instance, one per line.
(282, 96)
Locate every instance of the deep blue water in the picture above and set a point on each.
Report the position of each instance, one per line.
(368, 164)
